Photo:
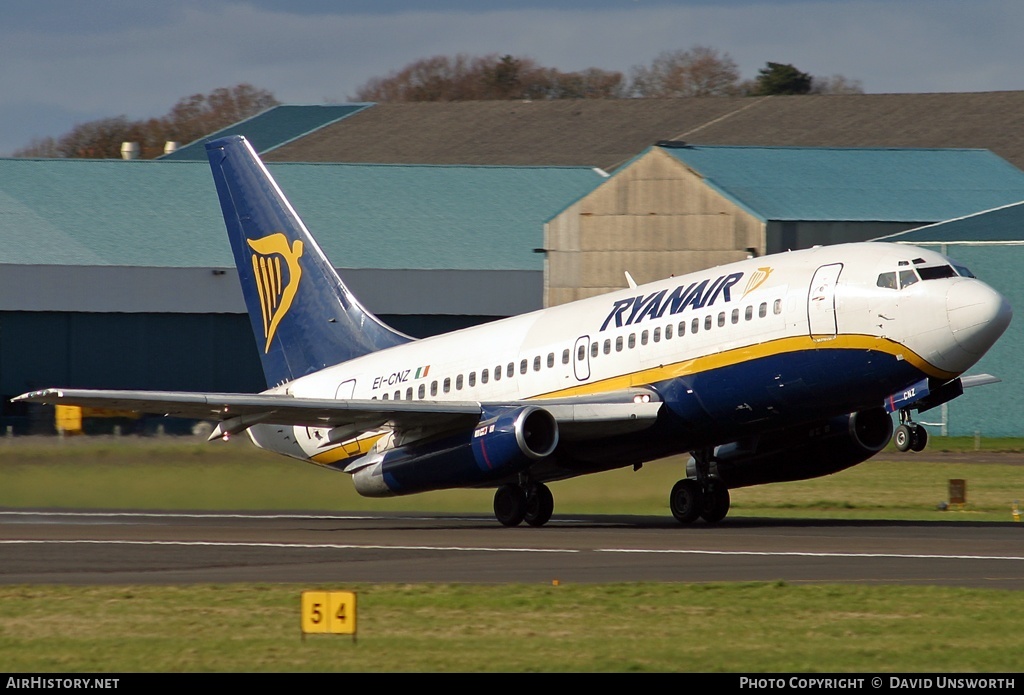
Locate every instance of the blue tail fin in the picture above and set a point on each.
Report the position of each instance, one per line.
(303, 316)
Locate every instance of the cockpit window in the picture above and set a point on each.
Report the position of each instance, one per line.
(887, 280)
(907, 278)
(963, 271)
(936, 272)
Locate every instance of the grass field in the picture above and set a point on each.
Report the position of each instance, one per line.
(637, 627)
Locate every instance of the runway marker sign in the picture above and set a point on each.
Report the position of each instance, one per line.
(329, 612)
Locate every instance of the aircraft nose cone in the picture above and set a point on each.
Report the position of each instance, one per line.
(978, 315)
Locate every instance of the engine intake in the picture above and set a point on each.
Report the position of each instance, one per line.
(505, 442)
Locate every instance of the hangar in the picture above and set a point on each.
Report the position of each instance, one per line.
(678, 208)
(118, 274)
(446, 245)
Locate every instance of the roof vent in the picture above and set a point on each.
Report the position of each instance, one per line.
(129, 150)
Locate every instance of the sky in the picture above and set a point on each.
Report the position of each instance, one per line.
(65, 62)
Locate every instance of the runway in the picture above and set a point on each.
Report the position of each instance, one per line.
(110, 547)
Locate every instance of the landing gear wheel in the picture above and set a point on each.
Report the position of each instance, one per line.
(716, 503)
(902, 438)
(918, 438)
(686, 500)
(510, 505)
(539, 504)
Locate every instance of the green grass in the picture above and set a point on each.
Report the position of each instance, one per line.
(636, 627)
(639, 627)
(180, 473)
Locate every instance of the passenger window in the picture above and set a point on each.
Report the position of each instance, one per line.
(408, 394)
(593, 349)
(565, 356)
(398, 395)
(472, 379)
(458, 383)
(433, 388)
(735, 315)
(749, 313)
(536, 363)
(511, 370)
(383, 397)
(762, 310)
(618, 344)
(581, 353)
(607, 346)
(497, 373)
(694, 325)
(778, 306)
(483, 376)
(721, 319)
(422, 391)
(682, 329)
(657, 335)
(668, 332)
(644, 337)
(632, 340)
(551, 360)
(707, 322)
(523, 366)
(447, 384)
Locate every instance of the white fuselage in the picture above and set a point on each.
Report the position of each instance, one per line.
(796, 304)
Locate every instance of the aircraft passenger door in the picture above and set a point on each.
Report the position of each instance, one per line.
(581, 358)
(821, 302)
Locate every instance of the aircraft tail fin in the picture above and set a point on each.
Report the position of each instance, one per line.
(303, 316)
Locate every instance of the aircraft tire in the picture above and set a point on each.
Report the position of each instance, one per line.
(510, 505)
(686, 500)
(716, 503)
(540, 504)
(902, 438)
(918, 438)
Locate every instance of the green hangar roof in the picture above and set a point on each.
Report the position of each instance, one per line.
(855, 184)
(1004, 225)
(166, 213)
(272, 128)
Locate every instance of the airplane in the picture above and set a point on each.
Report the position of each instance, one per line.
(774, 368)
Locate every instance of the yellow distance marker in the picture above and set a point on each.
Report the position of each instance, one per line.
(329, 612)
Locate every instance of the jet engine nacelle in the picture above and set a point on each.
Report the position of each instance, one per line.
(806, 452)
(505, 442)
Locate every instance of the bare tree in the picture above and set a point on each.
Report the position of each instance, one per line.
(696, 72)
(835, 84)
(466, 78)
(188, 120)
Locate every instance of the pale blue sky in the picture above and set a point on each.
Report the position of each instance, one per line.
(64, 62)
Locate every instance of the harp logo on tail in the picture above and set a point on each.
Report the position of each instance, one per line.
(277, 272)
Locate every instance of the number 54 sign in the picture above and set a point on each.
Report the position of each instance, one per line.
(329, 612)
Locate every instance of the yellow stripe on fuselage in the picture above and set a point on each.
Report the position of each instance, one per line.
(696, 365)
(728, 358)
(346, 451)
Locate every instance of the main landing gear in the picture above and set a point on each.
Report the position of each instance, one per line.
(909, 435)
(705, 496)
(529, 502)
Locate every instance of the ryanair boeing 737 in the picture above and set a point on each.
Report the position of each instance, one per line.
(777, 368)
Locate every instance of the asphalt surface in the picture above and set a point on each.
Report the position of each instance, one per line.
(110, 547)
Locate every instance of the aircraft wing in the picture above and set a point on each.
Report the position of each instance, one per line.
(579, 417)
